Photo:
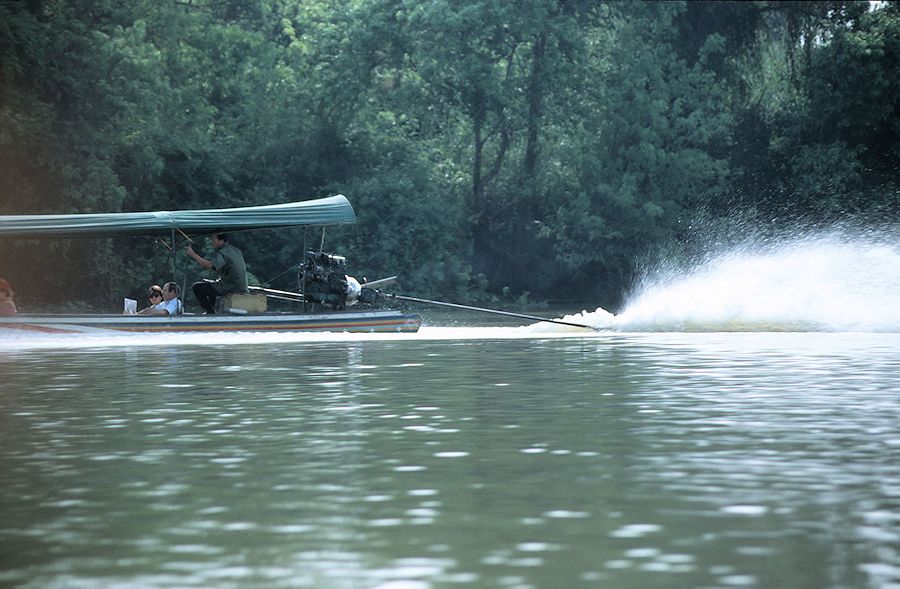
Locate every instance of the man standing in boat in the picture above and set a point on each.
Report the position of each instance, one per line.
(229, 263)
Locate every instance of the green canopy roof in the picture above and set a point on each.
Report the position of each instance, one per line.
(323, 211)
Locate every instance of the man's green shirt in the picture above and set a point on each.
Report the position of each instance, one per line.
(229, 263)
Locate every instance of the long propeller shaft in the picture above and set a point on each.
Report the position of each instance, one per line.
(483, 310)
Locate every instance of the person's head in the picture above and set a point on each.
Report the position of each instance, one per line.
(170, 291)
(155, 294)
(6, 291)
(219, 240)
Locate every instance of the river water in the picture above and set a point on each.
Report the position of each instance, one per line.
(755, 447)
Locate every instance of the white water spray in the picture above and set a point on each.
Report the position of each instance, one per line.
(825, 283)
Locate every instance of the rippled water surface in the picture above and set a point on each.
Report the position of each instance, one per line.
(613, 460)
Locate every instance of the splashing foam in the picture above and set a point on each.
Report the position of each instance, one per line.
(829, 283)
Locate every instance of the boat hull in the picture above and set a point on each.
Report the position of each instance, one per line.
(345, 321)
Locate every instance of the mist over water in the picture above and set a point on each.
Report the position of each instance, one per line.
(826, 282)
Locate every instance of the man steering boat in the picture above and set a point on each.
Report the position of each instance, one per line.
(228, 261)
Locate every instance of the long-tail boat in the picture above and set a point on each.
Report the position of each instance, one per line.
(330, 299)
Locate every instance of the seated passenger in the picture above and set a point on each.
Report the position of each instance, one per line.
(164, 301)
(7, 306)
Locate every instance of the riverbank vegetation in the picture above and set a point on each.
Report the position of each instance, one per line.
(529, 150)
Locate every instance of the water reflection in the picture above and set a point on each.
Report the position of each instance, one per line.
(628, 461)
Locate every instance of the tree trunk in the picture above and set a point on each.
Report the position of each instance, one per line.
(535, 106)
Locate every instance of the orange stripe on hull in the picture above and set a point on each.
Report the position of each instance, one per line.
(39, 328)
(331, 326)
(389, 326)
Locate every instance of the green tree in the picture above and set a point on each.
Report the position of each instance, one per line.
(656, 144)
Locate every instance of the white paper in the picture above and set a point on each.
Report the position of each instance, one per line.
(130, 307)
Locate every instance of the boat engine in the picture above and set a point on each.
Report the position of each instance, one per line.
(324, 281)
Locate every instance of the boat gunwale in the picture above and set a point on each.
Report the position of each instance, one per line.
(362, 321)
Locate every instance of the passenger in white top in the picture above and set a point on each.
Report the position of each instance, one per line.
(169, 305)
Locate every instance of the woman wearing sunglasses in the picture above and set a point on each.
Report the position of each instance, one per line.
(163, 300)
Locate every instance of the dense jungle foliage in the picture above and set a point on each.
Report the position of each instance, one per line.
(505, 149)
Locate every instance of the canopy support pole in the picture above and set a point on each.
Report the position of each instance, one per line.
(174, 253)
(303, 269)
